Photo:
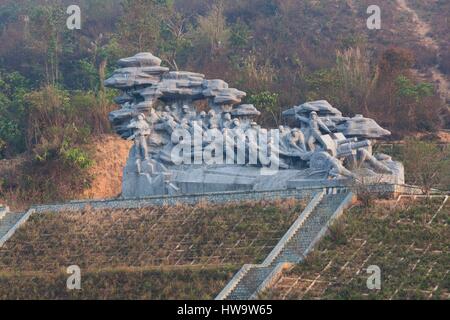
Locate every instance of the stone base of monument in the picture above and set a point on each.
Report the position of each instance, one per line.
(191, 179)
(160, 111)
(139, 180)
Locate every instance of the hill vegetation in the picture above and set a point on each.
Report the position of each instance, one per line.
(407, 240)
(282, 52)
(196, 251)
(180, 252)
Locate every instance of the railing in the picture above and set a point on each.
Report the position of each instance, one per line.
(294, 229)
(271, 278)
(219, 197)
(276, 251)
(280, 267)
(234, 282)
(345, 204)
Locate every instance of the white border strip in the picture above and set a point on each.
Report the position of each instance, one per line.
(294, 228)
(16, 226)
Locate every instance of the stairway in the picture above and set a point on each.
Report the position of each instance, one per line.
(249, 283)
(10, 222)
(298, 245)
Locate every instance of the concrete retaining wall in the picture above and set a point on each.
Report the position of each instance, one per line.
(216, 198)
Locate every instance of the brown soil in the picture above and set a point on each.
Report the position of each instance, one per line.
(422, 30)
(110, 156)
(439, 137)
(444, 136)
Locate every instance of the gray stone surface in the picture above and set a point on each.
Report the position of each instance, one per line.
(322, 107)
(359, 126)
(222, 148)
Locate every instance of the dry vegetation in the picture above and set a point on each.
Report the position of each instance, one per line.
(110, 156)
(409, 242)
(147, 283)
(281, 52)
(181, 251)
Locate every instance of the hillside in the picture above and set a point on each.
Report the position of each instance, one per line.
(54, 107)
(408, 240)
(192, 252)
(110, 156)
(156, 252)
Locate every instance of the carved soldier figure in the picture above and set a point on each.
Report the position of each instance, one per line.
(226, 121)
(153, 117)
(173, 112)
(187, 113)
(313, 130)
(274, 154)
(252, 143)
(203, 121)
(213, 120)
(236, 124)
(169, 124)
(141, 131)
(296, 142)
(284, 140)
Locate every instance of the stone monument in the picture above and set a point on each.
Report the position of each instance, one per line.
(193, 135)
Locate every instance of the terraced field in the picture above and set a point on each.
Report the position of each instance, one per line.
(164, 253)
(408, 240)
(138, 284)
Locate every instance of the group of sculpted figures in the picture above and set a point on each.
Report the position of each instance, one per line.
(157, 134)
(185, 126)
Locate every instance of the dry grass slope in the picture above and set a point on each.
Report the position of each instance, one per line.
(178, 252)
(409, 242)
(110, 157)
(120, 284)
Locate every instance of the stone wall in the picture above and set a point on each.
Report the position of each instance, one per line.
(224, 197)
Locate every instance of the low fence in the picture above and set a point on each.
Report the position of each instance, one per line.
(215, 198)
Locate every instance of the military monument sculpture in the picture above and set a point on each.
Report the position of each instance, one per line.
(184, 146)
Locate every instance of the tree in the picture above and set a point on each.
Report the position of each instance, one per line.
(45, 38)
(213, 28)
(139, 28)
(266, 101)
(176, 30)
(13, 88)
(426, 164)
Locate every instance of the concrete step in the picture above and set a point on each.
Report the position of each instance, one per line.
(295, 249)
(250, 283)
